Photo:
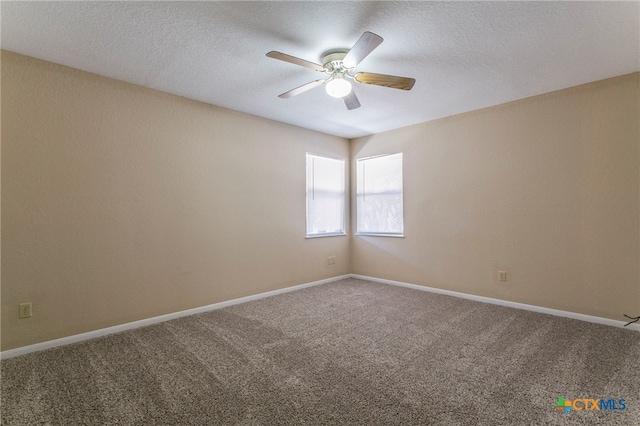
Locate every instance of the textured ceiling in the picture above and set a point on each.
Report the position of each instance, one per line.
(464, 55)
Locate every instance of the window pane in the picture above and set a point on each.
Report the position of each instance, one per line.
(325, 195)
(379, 195)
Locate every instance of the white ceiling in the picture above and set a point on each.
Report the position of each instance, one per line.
(464, 55)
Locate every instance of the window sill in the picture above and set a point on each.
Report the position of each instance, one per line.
(378, 234)
(328, 234)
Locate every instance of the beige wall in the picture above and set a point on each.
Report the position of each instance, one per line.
(121, 203)
(545, 188)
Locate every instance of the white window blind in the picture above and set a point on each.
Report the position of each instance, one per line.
(325, 196)
(379, 205)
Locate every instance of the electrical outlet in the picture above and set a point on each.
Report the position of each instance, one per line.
(331, 260)
(502, 276)
(25, 310)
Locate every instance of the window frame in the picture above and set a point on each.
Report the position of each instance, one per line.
(343, 232)
(377, 234)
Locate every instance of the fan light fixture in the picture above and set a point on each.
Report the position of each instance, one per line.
(338, 87)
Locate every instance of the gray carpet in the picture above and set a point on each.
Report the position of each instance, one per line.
(351, 352)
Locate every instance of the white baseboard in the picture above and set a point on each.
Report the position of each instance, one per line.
(540, 309)
(154, 320)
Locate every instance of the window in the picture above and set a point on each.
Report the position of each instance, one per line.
(379, 205)
(325, 196)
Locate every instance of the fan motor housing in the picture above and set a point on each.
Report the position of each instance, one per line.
(333, 60)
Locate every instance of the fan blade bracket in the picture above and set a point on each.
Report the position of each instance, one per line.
(391, 81)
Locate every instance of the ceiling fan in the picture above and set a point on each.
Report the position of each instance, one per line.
(340, 65)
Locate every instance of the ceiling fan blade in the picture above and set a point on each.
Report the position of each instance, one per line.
(365, 45)
(392, 81)
(351, 101)
(297, 61)
(301, 89)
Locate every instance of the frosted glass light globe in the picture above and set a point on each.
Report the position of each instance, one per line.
(338, 88)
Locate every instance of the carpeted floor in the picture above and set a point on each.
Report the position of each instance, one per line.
(351, 352)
